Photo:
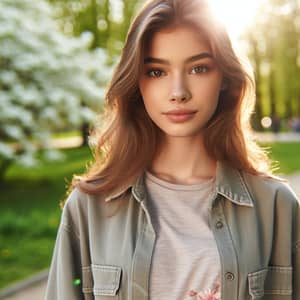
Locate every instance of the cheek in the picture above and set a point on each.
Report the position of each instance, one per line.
(152, 93)
(148, 97)
(207, 90)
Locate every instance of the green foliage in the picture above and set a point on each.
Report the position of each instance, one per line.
(21, 256)
(274, 50)
(107, 20)
(30, 213)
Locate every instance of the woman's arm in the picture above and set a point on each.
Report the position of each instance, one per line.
(64, 281)
(296, 255)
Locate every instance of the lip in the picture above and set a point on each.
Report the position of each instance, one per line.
(180, 115)
(180, 112)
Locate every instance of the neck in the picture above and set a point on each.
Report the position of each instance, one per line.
(183, 160)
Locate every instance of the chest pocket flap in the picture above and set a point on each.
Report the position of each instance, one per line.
(272, 280)
(101, 280)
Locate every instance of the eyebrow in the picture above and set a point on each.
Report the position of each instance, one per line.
(149, 60)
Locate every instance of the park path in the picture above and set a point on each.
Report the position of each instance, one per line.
(35, 291)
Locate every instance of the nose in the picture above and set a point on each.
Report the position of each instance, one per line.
(179, 91)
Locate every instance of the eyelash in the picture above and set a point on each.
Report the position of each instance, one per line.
(202, 67)
(151, 71)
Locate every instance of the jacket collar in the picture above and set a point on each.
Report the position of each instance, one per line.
(229, 183)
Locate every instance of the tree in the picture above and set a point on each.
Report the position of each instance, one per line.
(254, 53)
(48, 81)
(107, 20)
(273, 40)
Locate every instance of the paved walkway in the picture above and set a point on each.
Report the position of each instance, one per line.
(269, 137)
(34, 292)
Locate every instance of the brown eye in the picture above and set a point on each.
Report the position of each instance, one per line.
(155, 73)
(200, 69)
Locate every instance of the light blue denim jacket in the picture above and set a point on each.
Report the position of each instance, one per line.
(255, 221)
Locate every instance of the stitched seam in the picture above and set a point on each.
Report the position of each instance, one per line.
(258, 276)
(235, 264)
(221, 209)
(87, 290)
(69, 230)
(281, 292)
(245, 189)
(259, 273)
(113, 286)
(106, 268)
(281, 269)
(135, 254)
(215, 201)
(106, 287)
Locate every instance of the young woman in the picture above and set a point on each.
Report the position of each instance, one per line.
(179, 203)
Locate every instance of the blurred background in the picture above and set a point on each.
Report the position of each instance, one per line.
(55, 60)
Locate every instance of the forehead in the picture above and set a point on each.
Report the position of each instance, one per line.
(179, 40)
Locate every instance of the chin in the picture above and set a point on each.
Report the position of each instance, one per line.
(183, 134)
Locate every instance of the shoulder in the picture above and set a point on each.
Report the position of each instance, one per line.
(82, 209)
(75, 206)
(76, 199)
(268, 187)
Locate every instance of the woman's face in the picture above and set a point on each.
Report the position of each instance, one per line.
(180, 82)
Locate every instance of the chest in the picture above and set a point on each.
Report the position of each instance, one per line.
(118, 254)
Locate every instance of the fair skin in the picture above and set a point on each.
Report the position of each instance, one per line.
(180, 85)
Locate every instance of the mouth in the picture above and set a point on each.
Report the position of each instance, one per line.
(179, 112)
(180, 115)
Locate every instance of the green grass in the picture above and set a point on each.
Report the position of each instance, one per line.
(69, 133)
(287, 155)
(30, 212)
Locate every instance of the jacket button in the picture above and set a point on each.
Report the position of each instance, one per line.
(229, 276)
(219, 224)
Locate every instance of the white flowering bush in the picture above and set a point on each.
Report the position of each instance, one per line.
(48, 80)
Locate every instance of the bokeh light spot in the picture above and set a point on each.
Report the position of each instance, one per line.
(266, 122)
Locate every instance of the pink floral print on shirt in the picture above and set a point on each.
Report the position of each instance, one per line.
(211, 294)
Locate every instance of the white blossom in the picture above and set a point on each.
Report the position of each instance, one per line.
(48, 81)
(6, 151)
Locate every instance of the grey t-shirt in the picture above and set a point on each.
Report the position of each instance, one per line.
(185, 261)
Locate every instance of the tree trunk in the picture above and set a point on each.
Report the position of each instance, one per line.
(85, 134)
(4, 166)
(256, 123)
(273, 110)
(94, 17)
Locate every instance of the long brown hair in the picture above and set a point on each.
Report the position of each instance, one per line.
(128, 141)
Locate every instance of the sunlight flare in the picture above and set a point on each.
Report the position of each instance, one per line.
(236, 14)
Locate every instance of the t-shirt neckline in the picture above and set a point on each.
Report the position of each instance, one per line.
(178, 186)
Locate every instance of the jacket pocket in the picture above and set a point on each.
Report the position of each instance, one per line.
(273, 280)
(101, 281)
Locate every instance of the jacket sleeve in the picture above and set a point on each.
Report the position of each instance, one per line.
(64, 280)
(296, 254)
